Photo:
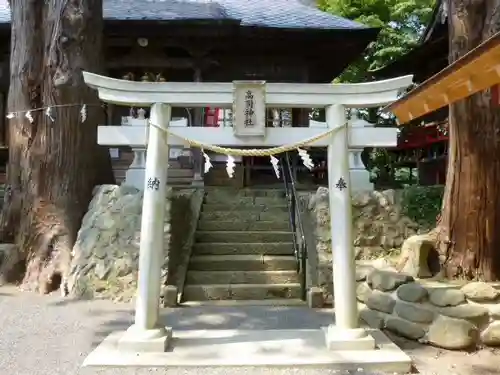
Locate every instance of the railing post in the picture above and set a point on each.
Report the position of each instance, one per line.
(345, 334)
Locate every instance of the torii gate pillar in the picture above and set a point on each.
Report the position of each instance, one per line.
(345, 334)
(147, 334)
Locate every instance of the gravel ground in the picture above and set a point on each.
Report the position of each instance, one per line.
(48, 335)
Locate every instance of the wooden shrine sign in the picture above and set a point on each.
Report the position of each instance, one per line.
(249, 108)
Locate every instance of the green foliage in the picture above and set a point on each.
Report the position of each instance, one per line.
(401, 22)
(422, 204)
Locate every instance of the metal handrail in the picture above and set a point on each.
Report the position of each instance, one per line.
(296, 226)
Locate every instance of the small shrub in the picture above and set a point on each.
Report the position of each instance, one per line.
(422, 204)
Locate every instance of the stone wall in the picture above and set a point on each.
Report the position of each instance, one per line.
(106, 252)
(379, 227)
(444, 315)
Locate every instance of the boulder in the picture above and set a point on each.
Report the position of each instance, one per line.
(362, 273)
(387, 280)
(451, 333)
(106, 251)
(414, 255)
(374, 319)
(107, 246)
(476, 314)
(363, 291)
(413, 313)
(494, 311)
(491, 334)
(404, 328)
(480, 292)
(379, 301)
(412, 292)
(379, 227)
(443, 297)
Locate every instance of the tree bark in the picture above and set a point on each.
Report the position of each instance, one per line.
(54, 164)
(469, 228)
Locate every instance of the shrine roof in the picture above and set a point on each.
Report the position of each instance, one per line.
(286, 14)
(473, 72)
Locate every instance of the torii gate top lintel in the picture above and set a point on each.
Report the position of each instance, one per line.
(278, 95)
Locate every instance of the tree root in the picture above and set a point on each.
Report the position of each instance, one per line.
(46, 255)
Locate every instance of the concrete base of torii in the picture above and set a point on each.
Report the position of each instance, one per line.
(256, 348)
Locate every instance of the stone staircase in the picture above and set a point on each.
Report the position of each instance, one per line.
(243, 249)
(179, 175)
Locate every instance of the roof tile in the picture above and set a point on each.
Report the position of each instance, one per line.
(289, 14)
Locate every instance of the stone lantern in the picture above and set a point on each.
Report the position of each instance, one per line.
(360, 177)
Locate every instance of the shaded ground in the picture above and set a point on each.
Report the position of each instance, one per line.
(51, 336)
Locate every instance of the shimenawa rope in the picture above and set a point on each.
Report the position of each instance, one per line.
(254, 151)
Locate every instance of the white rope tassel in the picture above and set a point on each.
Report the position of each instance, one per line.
(230, 166)
(208, 164)
(306, 159)
(29, 116)
(48, 113)
(83, 112)
(275, 164)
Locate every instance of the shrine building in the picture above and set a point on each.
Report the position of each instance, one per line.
(212, 41)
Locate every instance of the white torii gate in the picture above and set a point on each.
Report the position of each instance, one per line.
(147, 334)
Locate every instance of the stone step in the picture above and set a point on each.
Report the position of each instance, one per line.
(242, 263)
(243, 236)
(242, 200)
(243, 215)
(210, 207)
(221, 248)
(178, 164)
(176, 172)
(248, 192)
(240, 225)
(241, 292)
(179, 181)
(248, 302)
(241, 277)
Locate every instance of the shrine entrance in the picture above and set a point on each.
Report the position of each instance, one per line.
(248, 136)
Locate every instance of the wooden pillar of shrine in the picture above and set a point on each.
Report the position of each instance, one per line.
(198, 120)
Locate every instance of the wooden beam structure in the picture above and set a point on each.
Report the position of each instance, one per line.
(476, 71)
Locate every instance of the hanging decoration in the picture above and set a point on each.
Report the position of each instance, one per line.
(230, 166)
(250, 151)
(306, 159)
(83, 113)
(49, 112)
(208, 164)
(229, 152)
(269, 152)
(29, 116)
(275, 164)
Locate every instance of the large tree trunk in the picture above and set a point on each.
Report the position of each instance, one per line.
(53, 164)
(470, 222)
